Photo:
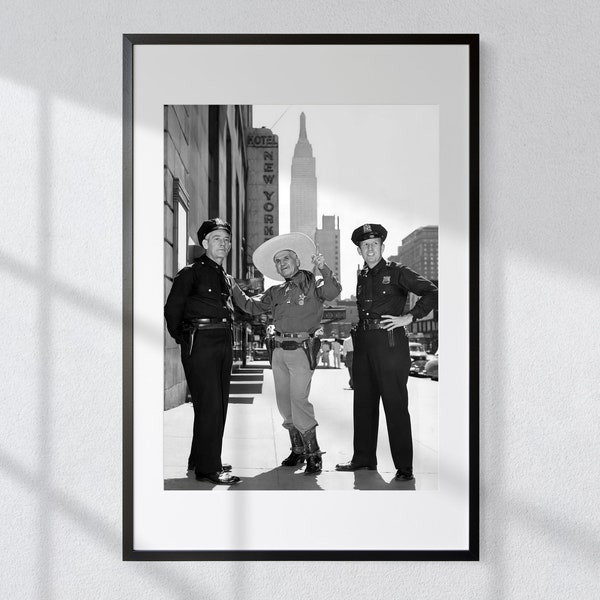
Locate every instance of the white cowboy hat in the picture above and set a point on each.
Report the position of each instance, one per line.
(300, 243)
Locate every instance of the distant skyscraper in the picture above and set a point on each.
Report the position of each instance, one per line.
(328, 243)
(303, 186)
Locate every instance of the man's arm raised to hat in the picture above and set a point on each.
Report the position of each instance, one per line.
(254, 305)
(328, 288)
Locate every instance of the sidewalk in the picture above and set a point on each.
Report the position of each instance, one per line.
(255, 443)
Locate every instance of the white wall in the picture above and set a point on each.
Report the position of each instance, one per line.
(60, 262)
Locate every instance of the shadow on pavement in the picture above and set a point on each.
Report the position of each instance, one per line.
(372, 480)
(278, 479)
(287, 479)
(281, 479)
(241, 399)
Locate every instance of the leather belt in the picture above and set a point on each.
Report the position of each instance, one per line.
(199, 326)
(301, 335)
(202, 323)
(371, 324)
(190, 326)
(309, 344)
(288, 344)
(368, 324)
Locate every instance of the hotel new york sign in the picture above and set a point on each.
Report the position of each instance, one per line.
(262, 199)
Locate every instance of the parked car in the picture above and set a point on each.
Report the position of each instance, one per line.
(431, 368)
(418, 356)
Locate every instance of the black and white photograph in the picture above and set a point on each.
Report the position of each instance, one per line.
(325, 384)
(301, 247)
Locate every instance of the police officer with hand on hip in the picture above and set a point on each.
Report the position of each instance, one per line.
(382, 361)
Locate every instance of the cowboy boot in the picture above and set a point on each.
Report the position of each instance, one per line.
(312, 452)
(297, 455)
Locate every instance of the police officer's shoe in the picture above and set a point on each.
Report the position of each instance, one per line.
(218, 478)
(224, 467)
(404, 474)
(293, 459)
(350, 466)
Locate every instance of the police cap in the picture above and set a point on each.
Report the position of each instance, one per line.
(212, 225)
(368, 231)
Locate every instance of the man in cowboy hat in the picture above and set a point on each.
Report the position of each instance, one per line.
(297, 307)
(199, 313)
(381, 361)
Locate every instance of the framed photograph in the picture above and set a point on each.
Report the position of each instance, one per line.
(300, 223)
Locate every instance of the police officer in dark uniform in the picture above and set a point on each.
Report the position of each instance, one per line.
(199, 313)
(381, 353)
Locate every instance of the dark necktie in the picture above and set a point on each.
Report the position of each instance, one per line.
(226, 286)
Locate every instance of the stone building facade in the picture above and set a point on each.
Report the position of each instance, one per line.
(205, 175)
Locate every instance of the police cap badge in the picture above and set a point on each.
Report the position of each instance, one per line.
(212, 225)
(368, 231)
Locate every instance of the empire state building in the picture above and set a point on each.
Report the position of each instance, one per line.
(303, 186)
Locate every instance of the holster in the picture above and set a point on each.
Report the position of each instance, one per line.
(190, 326)
(188, 332)
(311, 348)
(192, 334)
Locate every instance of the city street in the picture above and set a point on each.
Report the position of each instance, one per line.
(255, 443)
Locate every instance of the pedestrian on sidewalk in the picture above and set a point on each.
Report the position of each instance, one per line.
(325, 348)
(199, 313)
(381, 352)
(336, 347)
(297, 309)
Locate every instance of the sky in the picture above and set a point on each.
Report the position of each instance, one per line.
(374, 164)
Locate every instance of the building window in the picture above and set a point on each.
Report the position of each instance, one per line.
(182, 228)
(181, 203)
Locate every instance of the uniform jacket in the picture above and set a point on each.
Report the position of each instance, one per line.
(383, 290)
(200, 290)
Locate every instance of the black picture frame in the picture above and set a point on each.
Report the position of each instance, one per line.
(132, 41)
